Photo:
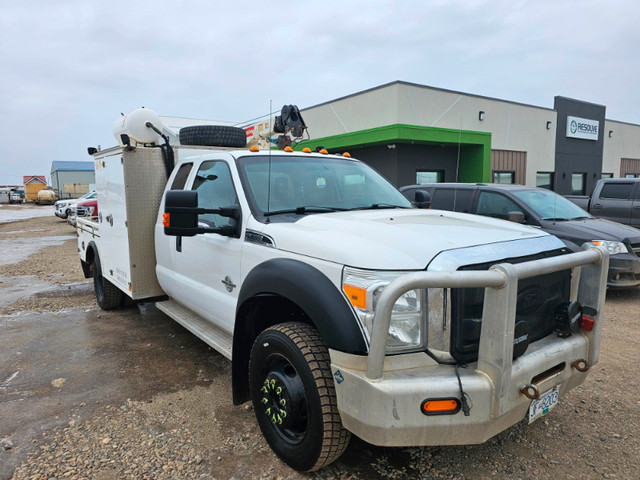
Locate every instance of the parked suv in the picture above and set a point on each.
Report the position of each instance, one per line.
(548, 211)
(66, 207)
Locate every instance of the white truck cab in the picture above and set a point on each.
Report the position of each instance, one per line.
(342, 308)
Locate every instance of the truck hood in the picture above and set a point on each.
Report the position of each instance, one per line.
(398, 239)
(580, 231)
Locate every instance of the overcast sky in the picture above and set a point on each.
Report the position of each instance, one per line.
(68, 68)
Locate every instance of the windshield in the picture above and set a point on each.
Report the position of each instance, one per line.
(313, 184)
(550, 206)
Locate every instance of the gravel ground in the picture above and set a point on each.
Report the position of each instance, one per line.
(196, 432)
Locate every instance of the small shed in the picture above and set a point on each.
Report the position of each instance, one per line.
(32, 185)
(72, 179)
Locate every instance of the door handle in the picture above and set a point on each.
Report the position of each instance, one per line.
(636, 207)
(597, 205)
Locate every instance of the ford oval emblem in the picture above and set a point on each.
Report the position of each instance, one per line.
(529, 300)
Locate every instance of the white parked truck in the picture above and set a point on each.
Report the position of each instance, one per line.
(342, 308)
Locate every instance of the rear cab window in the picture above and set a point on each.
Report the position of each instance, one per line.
(617, 190)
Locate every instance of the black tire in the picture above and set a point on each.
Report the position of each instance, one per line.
(66, 213)
(289, 371)
(108, 296)
(213, 136)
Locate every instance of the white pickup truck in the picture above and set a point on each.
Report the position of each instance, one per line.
(342, 308)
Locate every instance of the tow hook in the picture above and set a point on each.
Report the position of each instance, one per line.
(581, 365)
(530, 391)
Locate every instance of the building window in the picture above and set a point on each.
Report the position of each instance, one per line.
(504, 176)
(544, 180)
(429, 176)
(630, 175)
(578, 183)
(606, 175)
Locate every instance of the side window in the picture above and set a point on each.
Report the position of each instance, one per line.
(458, 200)
(620, 191)
(181, 176)
(493, 204)
(443, 199)
(215, 189)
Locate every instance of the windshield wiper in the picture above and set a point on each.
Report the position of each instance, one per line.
(558, 219)
(376, 206)
(581, 218)
(304, 210)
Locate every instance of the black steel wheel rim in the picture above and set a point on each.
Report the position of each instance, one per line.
(283, 399)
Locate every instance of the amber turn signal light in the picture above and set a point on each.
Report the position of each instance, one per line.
(440, 406)
(288, 149)
(254, 149)
(356, 295)
(324, 151)
(166, 219)
(346, 154)
(306, 150)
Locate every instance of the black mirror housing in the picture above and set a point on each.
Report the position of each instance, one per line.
(181, 212)
(422, 199)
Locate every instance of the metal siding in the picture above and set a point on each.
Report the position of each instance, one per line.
(511, 161)
(629, 165)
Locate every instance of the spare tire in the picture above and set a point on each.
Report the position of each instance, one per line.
(213, 136)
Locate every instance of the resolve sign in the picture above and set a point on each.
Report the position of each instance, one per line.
(582, 128)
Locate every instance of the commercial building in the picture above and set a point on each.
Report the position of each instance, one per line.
(418, 134)
(72, 179)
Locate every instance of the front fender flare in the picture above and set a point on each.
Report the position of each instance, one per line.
(312, 292)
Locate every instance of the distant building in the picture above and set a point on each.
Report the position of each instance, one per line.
(32, 185)
(72, 179)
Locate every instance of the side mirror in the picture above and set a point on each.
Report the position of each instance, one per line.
(180, 218)
(422, 199)
(517, 217)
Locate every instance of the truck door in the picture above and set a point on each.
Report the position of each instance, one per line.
(208, 265)
(614, 202)
(635, 207)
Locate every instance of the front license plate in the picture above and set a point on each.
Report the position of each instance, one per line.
(543, 405)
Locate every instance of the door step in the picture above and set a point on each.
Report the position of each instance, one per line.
(200, 327)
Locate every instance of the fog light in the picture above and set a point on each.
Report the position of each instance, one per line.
(440, 406)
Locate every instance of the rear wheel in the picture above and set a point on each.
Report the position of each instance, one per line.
(108, 295)
(294, 396)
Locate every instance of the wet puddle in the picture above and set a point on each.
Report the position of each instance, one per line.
(15, 250)
(25, 286)
(22, 213)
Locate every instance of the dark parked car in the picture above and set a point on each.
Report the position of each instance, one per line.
(616, 199)
(543, 209)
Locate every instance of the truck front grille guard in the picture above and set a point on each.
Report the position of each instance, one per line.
(500, 282)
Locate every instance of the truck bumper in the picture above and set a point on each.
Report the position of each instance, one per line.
(380, 396)
(387, 412)
(624, 271)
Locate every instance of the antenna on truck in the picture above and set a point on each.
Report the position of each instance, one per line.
(269, 174)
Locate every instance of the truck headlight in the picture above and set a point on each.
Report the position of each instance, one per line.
(611, 247)
(407, 331)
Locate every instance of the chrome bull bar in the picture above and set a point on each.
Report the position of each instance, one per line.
(500, 282)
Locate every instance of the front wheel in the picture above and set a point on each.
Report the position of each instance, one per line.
(294, 396)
